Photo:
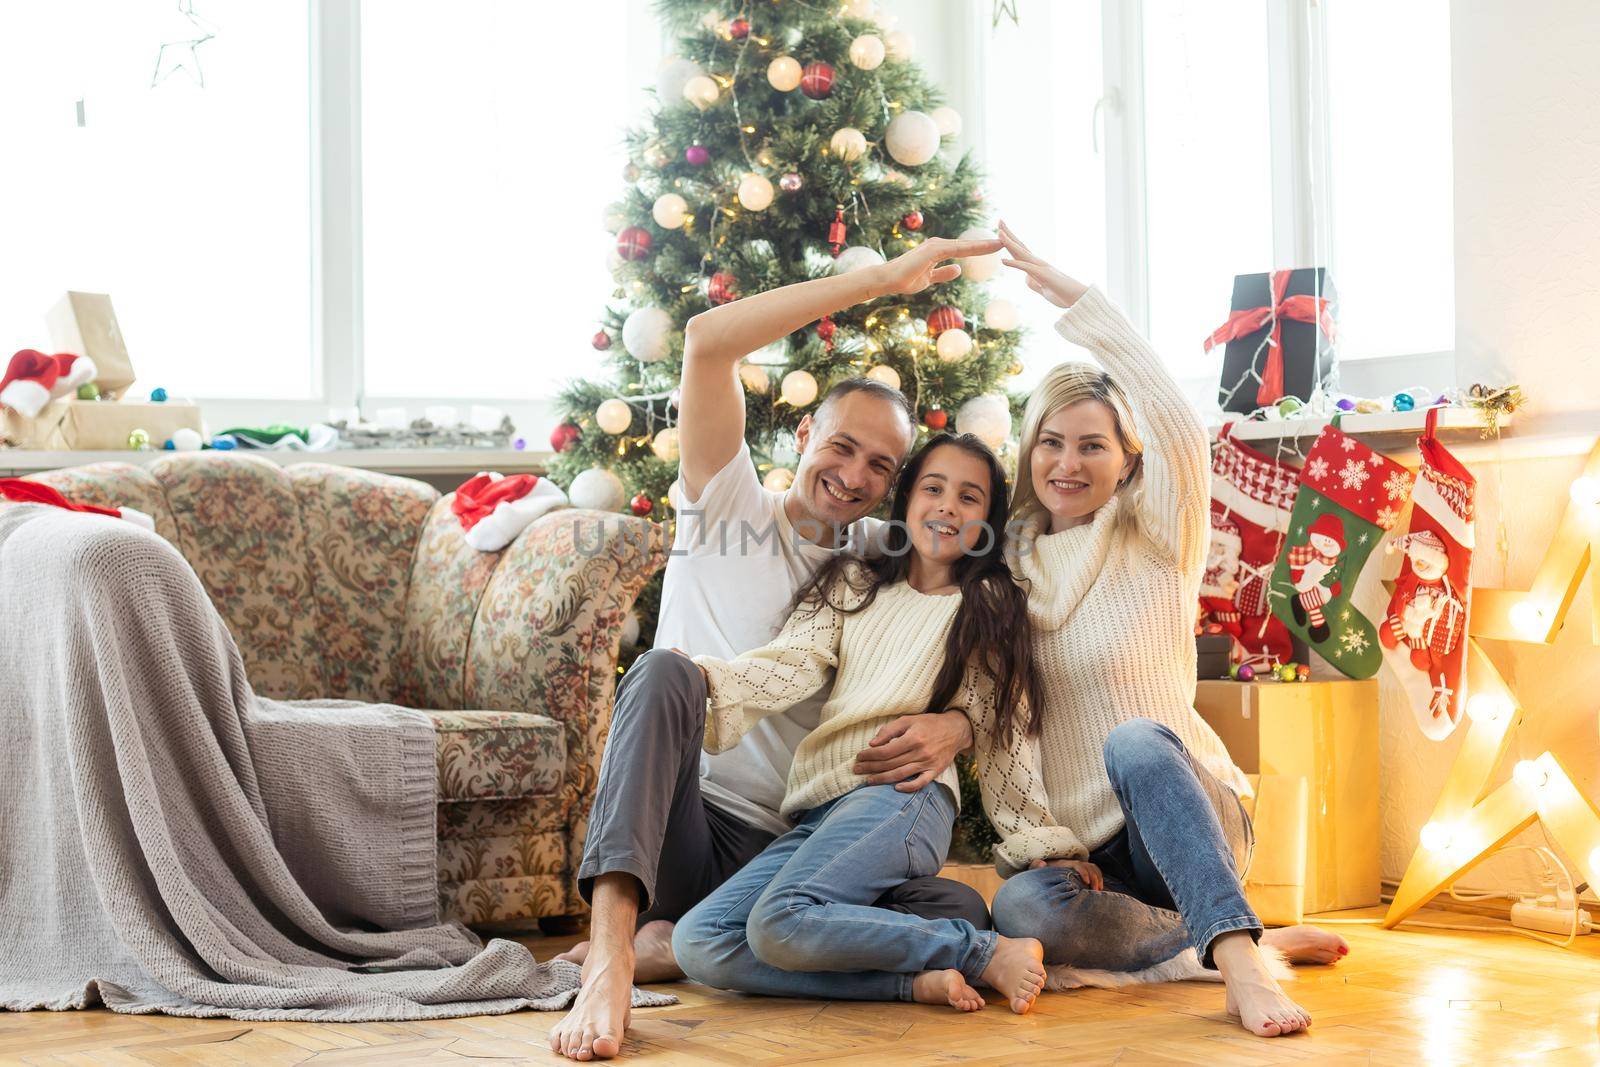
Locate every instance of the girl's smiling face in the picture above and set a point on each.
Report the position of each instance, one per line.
(1078, 462)
(949, 504)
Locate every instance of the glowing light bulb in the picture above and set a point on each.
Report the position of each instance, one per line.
(1488, 707)
(1528, 618)
(1529, 775)
(1586, 490)
(1436, 837)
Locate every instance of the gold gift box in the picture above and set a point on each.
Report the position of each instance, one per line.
(96, 425)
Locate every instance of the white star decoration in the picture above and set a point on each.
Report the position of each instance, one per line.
(1361, 538)
(176, 55)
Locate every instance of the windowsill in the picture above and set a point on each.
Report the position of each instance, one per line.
(410, 462)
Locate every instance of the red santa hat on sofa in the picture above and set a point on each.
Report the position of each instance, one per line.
(494, 509)
(33, 379)
(19, 491)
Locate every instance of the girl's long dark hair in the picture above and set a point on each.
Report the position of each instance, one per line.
(991, 626)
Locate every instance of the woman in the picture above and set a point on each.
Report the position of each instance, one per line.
(1111, 515)
(936, 622)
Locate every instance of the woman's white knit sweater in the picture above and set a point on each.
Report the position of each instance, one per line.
(1112, 602)
(887, 657)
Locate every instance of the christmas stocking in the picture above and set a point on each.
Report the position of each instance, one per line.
(1251, 495)
(1424, 630)
(1349, 497)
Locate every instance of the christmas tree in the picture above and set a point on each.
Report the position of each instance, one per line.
(790, 140)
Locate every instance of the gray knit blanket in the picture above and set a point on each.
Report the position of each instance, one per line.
(170, 842)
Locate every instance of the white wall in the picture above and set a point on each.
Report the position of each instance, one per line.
(1527, 235)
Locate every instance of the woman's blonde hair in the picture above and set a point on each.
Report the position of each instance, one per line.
(1065, 385)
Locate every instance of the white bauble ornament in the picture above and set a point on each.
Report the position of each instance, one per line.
(912, 138)
(754, 377)
(885, 374)
(630, 629)
(187, 440)
(779, 479)
(1001, 315)
(669, 211)
(948, 119)
(755, 192)
(980, 268)
(987, 417)
(597, 488)
(867, 51)
(855, 257)
(613, 416)
(673, 74)
(849, 144)
(665, 444)
(953, 344)
(900, 44)
(784, 74)
(647, 334)
(799, 388)
(701, 91)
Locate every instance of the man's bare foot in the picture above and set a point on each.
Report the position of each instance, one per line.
(576, 954)
(1016, 971)
(1306, 944)
(1253, 994)
(653, 958)
(593, 1029)
(945, 987)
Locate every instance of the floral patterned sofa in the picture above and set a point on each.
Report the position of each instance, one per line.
(339, 582)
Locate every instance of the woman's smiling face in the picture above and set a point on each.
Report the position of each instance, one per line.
(1078, 461)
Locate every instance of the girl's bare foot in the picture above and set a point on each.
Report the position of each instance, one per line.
(1016, 971)
(1306, 944)
(652, 950)
(576, 954)
(1253, 994)
(945, 987)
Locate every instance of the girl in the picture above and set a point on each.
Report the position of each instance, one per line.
(1112, 503)
(936, 622)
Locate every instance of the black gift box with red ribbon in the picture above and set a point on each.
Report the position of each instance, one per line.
(1279, 338)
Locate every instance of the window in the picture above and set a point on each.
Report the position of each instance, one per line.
(191, 206)
(486, 168)
(1236, 136)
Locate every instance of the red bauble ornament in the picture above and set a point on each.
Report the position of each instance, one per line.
(722, 288)
(836, 232)
(633, 243)
(816, 80)
(602, 341)
(935, 418)
(641, 505)
(912, 220)
(563, 436)
(825, 329)
(945, 318)
(739, 29)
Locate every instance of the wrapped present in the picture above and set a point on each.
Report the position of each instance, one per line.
(1279, 338)
(84, 324)
(84, 425)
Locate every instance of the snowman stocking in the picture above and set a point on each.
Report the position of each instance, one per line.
(1349, 497)
(1251, 497)
(1424, 630)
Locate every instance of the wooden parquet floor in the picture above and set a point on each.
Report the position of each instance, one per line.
(1400, 998)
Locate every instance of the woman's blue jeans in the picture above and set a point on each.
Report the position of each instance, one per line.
(1172, 874)
(798, 920)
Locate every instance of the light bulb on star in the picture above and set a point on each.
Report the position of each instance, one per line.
(1529, 619)
(1585, 490)
(1488, 707)
(1436, 837)
(1529, 775)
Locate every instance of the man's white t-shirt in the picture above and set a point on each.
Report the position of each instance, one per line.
(736, 564)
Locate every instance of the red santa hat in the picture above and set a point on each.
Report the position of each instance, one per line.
(494, 509)
(22, 492)
(33, 379)
(1330, 527)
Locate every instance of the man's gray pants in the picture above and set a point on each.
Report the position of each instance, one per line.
(651, 821)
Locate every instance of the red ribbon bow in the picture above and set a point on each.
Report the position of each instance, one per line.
(1303, 308)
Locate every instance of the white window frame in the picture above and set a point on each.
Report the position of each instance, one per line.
(1302, 179)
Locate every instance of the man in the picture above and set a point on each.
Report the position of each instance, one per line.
(669, 824)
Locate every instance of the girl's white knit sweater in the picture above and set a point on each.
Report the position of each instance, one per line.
(887, 657)
(1112, 602)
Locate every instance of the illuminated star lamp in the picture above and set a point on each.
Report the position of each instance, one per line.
(1466, 825)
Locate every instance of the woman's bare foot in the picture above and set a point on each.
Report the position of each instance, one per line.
(1016, 971)
(945, 987)
(1306, 944)
(576, 954)
(1253, 994)
(593, 1028)
(652, 950)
